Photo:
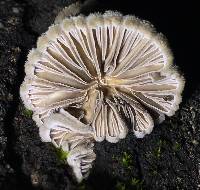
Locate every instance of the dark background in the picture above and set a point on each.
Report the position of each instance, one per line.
(169, 158)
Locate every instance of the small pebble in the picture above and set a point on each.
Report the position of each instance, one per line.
(35, 178)
(1, 26)
(195, 142)
(15, 10)
(10, 97)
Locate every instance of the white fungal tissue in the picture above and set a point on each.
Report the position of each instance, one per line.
(92, 76)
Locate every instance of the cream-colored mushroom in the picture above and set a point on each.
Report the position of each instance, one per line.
(80, 159)
(103, 69)
(74, 137)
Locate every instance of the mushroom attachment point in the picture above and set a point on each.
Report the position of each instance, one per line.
(92, 76)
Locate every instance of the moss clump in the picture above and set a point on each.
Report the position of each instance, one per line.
(158, 150)
(176, 147)
(120, 186)
(127, 160)
(28, 113)
(81, 186)
(61, 154)
(136, 183)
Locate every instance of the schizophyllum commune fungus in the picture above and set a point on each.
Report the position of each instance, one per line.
(91, 76)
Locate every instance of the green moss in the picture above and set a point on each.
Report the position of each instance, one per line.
(176, 147)
(61, 154)
(136, 183)
(81, 186)
(114, 157)
(120, 186)
(158, 150)
(127, 160)
(28, 113)
(154, 172)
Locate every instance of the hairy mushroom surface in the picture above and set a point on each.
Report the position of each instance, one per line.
(97, 74)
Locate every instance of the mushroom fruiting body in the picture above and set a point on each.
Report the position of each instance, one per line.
(91, 76)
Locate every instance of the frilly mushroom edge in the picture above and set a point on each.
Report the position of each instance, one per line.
(91, 76)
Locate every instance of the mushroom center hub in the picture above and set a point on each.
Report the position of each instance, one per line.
(104, 86)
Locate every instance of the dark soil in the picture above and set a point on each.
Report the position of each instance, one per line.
(168, 158)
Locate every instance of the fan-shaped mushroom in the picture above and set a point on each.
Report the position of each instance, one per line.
(89, 74)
